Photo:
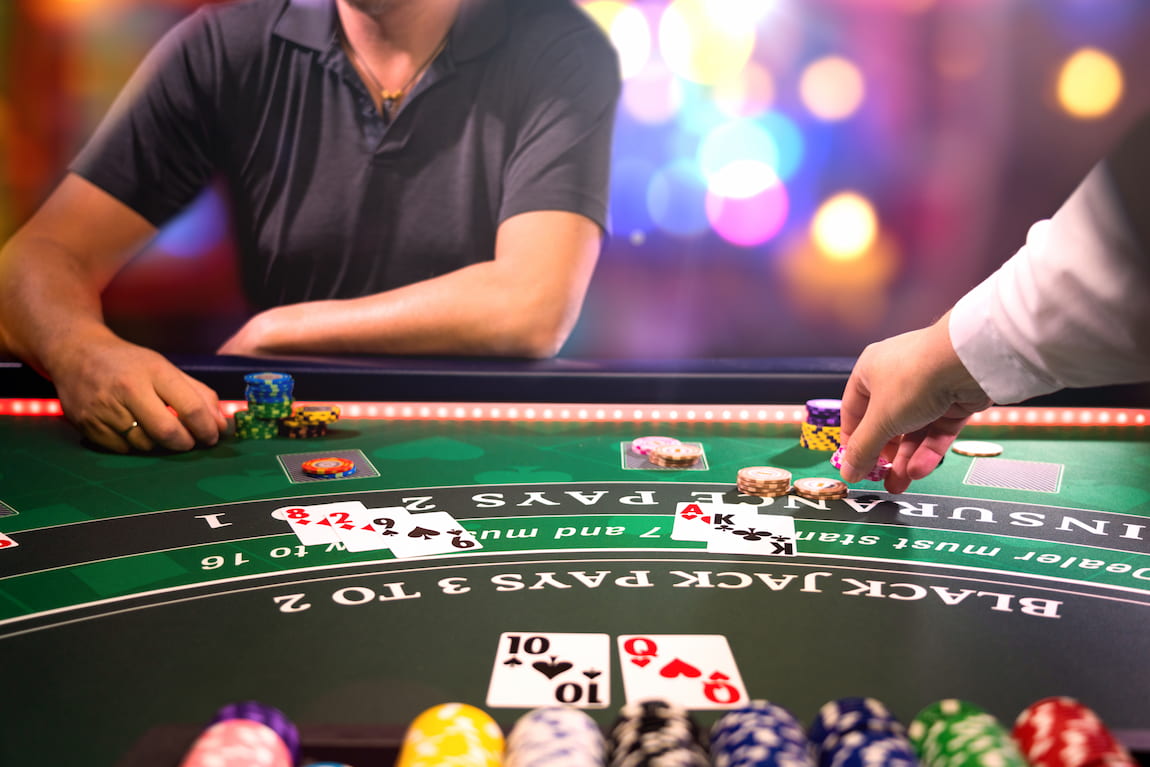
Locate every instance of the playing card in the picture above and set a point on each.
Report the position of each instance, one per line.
(311, 524)
(535, 669)
(363, 529)
(694, 670)
(693, 521)
(434, 532)
(6, 542)
(748, 532)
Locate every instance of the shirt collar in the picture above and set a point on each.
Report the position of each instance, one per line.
(480, 26)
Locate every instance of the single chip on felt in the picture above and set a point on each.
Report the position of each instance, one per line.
(977, 448)
(328, 467)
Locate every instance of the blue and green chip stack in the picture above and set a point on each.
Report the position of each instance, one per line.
(270, 399)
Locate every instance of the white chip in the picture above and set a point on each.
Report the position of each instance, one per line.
(976, 448)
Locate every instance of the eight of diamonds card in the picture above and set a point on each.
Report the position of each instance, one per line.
(694, 670)
(535, 669)
(311, 524)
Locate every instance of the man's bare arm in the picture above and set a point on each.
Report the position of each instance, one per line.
(524, 303)
(51, 275)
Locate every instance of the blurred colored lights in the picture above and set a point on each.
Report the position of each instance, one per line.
(844, 227)
(832, 88)
(628, 30)
(749, 93)
(742, 145)
(652, 96)
(72, 11)
(676, 199)
(1090, 84)
(751, 220)
(708, 42)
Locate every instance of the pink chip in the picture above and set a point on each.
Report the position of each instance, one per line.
(238, 743)
(644, 445)
(877, 473)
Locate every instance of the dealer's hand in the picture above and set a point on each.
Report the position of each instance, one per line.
(124, 397)
(908, 397)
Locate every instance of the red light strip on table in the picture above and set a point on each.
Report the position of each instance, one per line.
(502, 411)
(30, 407)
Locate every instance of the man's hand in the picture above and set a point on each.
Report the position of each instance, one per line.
(124, 397)
(907, 399)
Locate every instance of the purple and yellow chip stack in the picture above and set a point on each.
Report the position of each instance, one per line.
(822, 426)
(247, 734)
(309, 421)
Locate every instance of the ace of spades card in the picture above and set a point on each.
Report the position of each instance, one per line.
(534, 669)
(696, 671)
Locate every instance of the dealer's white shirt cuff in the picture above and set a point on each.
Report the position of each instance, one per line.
(1070, 309)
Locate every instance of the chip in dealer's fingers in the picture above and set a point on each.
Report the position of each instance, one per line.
(977, 448)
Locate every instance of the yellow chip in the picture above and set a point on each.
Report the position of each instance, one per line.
(452, 733)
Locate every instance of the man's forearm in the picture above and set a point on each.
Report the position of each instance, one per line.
(48, 304)
(479, 310)
(523, 303)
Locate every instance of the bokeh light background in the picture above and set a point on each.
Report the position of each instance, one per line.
(791, 177)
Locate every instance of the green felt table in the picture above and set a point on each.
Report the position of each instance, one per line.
(145, 591)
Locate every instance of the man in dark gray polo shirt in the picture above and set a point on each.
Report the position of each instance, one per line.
(405, 177)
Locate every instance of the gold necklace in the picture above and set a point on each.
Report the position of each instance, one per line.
(390, 100)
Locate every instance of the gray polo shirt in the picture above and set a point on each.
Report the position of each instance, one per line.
(328, 199)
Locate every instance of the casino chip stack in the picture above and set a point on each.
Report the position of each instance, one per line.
(452, 734)
(654, 733)
(246, 734)
(269, 397)
(762, 734)
(308, 421)
(1061, 732)
(764, 481)
(954, 733)
(675, 456)
(556, 737)
(821, 488)
(822, 426)
(859, 732)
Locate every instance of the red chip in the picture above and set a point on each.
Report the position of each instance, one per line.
(322, 467)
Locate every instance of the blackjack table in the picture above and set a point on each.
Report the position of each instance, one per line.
(139, 593)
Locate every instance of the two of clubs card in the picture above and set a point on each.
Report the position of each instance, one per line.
(533, 669)
(393, 528)
(731, 528)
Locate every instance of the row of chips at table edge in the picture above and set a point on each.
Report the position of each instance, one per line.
(848, 732)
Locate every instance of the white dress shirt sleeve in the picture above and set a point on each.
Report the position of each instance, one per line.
(1070, 309)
